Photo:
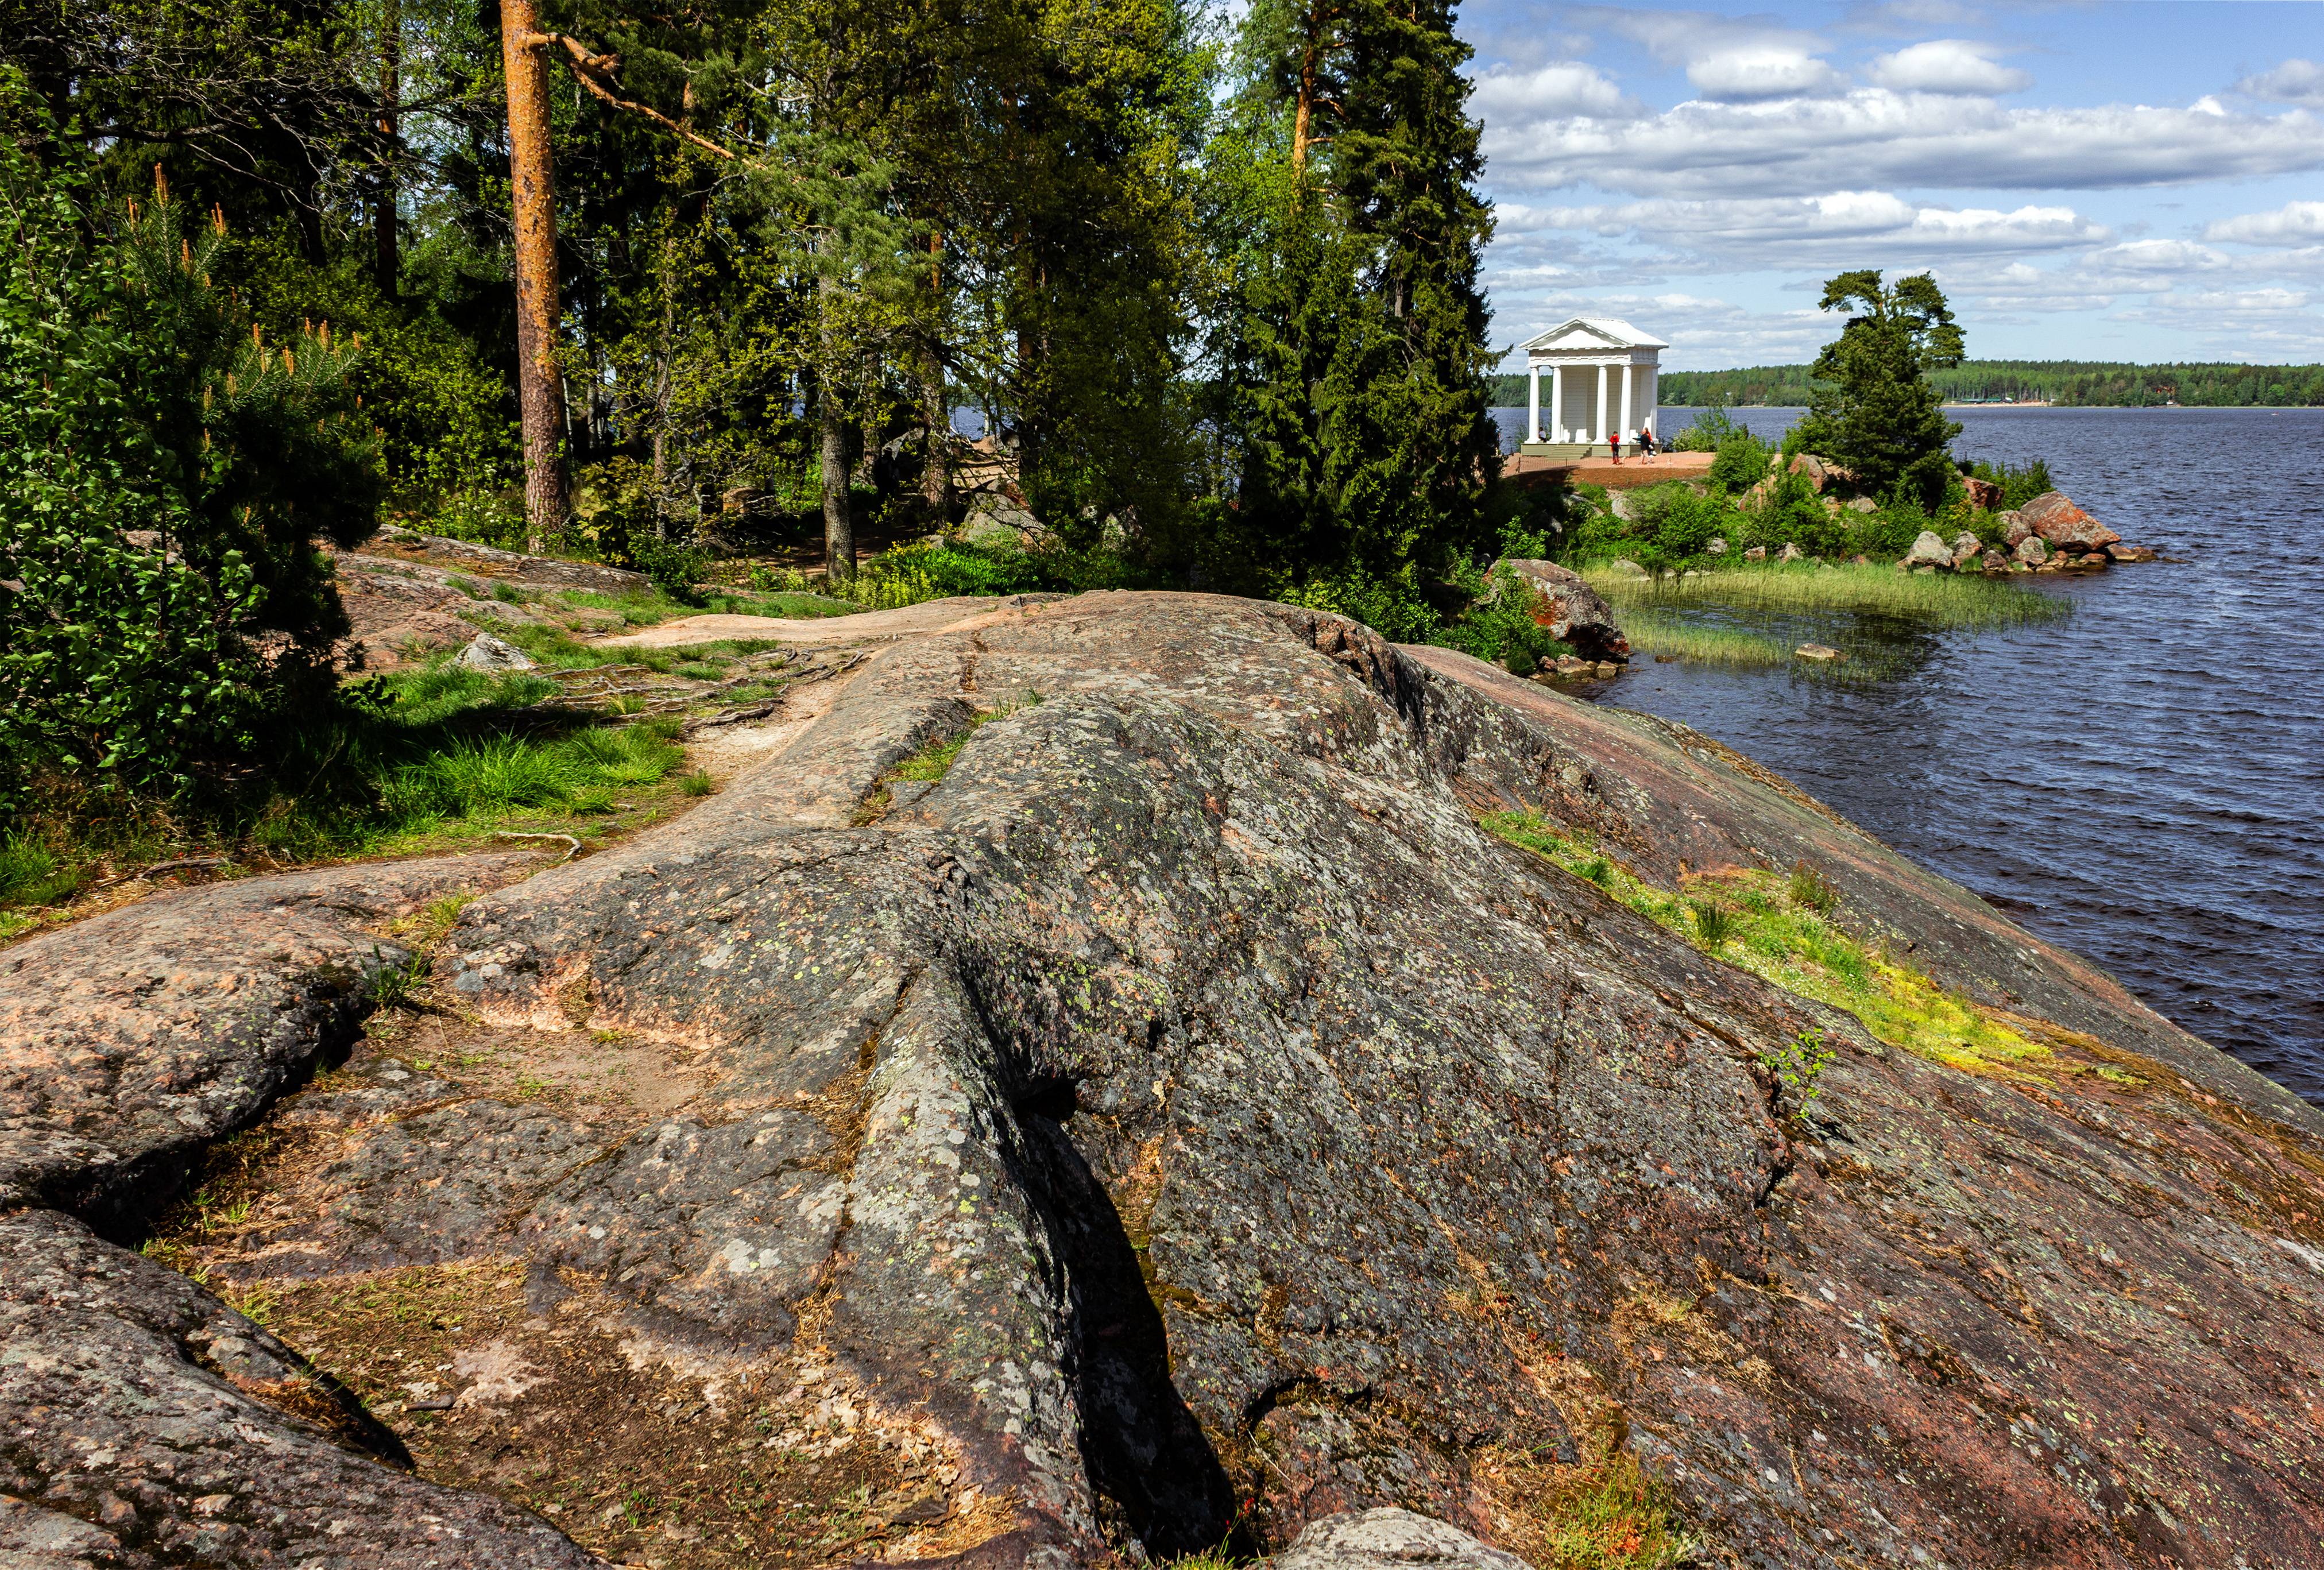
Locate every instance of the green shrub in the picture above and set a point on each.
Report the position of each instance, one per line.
(1713, 924)
(136, 395)
(2019, 483)
(1710, 429)
(673, 568)
(1741, 463)
(1811, 890)
(1392, 607)
(1501, 627)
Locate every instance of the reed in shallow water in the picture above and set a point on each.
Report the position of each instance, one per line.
(1653, 631)
(1940, 599)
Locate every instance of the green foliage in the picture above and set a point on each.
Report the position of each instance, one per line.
(673, 569)
(1501, 626)
(1811, 890)
(135, 395)
(1798, 1063)
(2019, 483)
(1876, 413)
(1355, 350)
(1741, 463)
(1710, 430)
(1392, 607)
(1713, 924)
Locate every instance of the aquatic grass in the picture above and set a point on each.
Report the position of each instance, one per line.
(1938, 599)
(1796, 945)
(1667, 634)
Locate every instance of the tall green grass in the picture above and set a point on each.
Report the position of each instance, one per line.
(1937, 599)
(1659, 632)
(413, 757)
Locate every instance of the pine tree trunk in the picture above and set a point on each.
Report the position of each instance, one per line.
(540, 392)
(838, 526)
(390, 260)
(935, 475)
(661, 400)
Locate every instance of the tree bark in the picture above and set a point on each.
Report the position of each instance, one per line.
(391, 106)
(838, 525)
(935, 473)
(540, 392)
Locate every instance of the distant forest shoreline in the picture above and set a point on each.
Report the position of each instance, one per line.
(2093, 384)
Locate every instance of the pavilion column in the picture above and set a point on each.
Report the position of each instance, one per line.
(1533, 404)
(1557, 400)
(1605, 385)
(1629, 379)
(1655, 401)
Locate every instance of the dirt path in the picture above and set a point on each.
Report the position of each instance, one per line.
(931, 616)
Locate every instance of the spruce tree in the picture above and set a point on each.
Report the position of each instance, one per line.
(1367, 439)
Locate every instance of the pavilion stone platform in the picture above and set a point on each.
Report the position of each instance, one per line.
(1602, 379)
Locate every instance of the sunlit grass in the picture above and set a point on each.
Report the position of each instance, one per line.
(1940, 599)
(1783, 929)
(1662, 632)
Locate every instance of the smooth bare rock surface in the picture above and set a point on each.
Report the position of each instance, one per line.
(1388, 1539)
(1575, 612)
(148, 1425)
(1185, 1111)
(490, 561)
(930, 615)
(130, 1040)
(2056, 519)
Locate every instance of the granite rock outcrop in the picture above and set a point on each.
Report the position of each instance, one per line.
(1188, 1117)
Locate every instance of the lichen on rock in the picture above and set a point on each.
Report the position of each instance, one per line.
(1189, 1122)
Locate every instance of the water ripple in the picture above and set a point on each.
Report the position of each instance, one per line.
(2143, 783)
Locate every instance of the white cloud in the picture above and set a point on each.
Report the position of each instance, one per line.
(1844, 228)
(1752, 70)
(2293, 224)
(2153, 259)
(1875, 136)
(1727, 61)
(1568, 90)
(2295, 82)
(1948, 65)
(1703, 332)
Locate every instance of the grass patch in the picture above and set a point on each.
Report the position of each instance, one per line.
(1653, 630)
(1942, 599)
(933, 761)
(1612, 1518)
(1781, 930)
(429, 760)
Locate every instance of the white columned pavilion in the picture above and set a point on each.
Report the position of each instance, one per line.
(1584, 358)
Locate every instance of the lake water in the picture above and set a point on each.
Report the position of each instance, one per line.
(2143, 782)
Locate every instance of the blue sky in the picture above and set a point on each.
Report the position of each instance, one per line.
(2102, 182)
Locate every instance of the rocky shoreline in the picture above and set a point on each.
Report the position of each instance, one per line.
(1182, 1113)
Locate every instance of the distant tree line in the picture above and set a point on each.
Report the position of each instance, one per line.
(2095, 384)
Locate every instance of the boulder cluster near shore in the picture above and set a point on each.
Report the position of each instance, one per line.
(2048, 534)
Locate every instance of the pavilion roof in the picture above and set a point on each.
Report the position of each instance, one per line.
(1595, 332)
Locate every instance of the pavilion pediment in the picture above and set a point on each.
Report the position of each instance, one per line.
(1593, 334)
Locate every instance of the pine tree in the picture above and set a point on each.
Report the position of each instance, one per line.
(1874, 411)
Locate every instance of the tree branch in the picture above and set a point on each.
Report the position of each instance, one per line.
(586, 69)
